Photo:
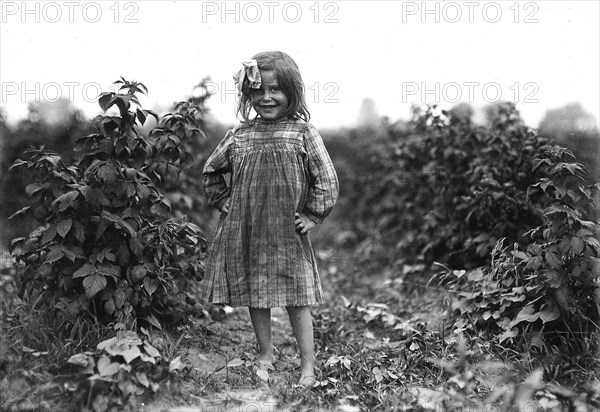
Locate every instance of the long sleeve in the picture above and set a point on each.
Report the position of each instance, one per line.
(324, 186)
(215, 187)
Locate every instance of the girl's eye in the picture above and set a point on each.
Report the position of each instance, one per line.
(260, 92)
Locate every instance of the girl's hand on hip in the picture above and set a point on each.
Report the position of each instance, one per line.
(303, 223)
(225, 207)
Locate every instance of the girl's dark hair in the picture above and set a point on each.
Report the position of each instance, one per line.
(289, 79)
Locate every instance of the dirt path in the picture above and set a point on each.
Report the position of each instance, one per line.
(210, 346)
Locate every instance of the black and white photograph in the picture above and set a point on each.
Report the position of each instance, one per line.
(312, 205)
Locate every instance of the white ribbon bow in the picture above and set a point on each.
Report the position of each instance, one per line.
(250, 71)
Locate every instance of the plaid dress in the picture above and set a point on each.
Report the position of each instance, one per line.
(257, 258)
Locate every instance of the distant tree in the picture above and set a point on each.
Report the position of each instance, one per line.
(568, 119)
(462, 112)
(573, 127)
(367, 116)
(53, 125)
(497, 114)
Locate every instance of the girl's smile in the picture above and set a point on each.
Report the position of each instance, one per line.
(269, 101)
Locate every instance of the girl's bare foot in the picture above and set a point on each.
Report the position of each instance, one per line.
(308, 381)
(265, 361)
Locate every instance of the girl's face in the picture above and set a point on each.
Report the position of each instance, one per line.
(269, 101)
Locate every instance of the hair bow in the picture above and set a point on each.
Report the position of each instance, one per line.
(250, 71)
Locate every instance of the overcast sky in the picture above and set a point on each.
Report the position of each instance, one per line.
(541, 54)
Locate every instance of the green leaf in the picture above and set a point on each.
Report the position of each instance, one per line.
(44, 270)
(110, 270)
(121, 145)
(106, 343)
(106, 367)
(143, 191)
(151, 350)
(150, 285)
(153, 114)
(96, 196)
(79, 232)
(130, 353)
(235, 362)
(93, 284)
(118, 220)
(142, 379)
(120, 297)
(549, 313)
(109, 306)
(54, 255)
(595, 267)
(19, 212)
(377, 373)
(475, 275)
(101, 228)
(107, 172)
(110, 257)
(86, 270)
(136, 246)
(49, 234)
(105, 100)
(538, 162)
(586, 191)
(153, 321)
(141, 116)
(592, 243)
(484, 237)
(552, 278)
(147, 358)
(137, 273)
(122, 102)
(33, 188)
(527, 314)
(544, 183)
(79, 359)
(106, 145)
(17, 240)
(553, 259)
(176, 364)
(66, 200)
(263, 374)
(124, 344)
(52, 159)
(577, 245)
(17, 163)
(70, 254)
(589, 224)
(64, 226)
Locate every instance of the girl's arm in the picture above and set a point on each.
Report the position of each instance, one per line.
(324, 186)
(215, 188)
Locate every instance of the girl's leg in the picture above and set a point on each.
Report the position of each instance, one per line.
(261, 322)
(301, 321)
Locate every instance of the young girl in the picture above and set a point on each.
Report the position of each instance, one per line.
(282, 184)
